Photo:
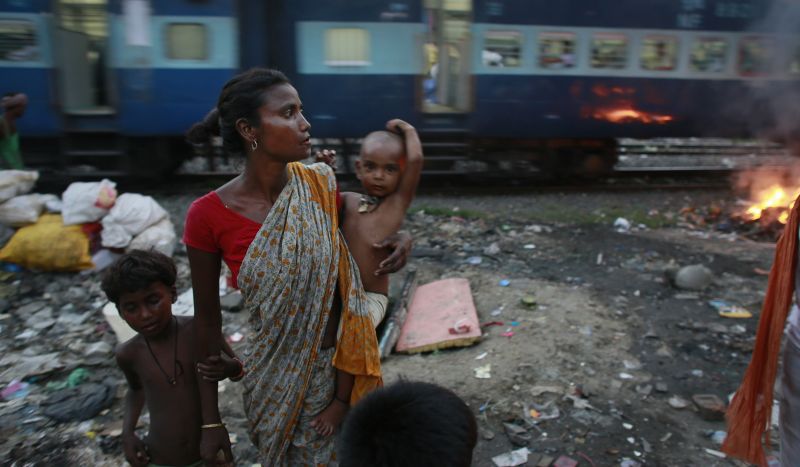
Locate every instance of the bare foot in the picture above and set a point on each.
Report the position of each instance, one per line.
(328, 421)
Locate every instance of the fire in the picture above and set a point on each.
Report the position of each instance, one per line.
(775, 196)
(626, 115)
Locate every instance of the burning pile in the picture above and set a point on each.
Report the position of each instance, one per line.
(771, 195)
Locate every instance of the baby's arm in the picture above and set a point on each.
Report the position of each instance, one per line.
(134, 448)
(414, 159)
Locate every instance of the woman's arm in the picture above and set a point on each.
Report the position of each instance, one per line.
(205, 269)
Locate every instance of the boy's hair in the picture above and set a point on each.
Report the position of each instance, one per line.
(136, 270)
(409, 424)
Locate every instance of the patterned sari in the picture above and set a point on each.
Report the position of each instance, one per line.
(288, 280)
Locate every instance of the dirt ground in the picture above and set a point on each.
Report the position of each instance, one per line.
(609, 341)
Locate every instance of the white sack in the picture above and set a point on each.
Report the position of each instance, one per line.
(160, 237)
(85, 202)
(16, 182)
(24, 210)
(130, 216)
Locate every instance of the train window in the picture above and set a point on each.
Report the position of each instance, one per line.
(347, 47)
(187, 41)
(609, 50)
(756, 56)
(659, 53)
(556, 50)
(502, 49)
(18, 41)
(708, 55)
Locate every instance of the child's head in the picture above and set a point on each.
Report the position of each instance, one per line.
(142, 285)
(409, 424)
(381, 163)
(14, 104)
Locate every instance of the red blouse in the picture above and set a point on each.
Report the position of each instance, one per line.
(214, 228)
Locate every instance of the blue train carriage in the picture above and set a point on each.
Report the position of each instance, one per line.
(553, 82)
(114, 84)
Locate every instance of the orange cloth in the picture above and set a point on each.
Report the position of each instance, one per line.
(751, 409)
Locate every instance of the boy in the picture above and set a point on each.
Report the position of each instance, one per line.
(13, 104)
(389, 168)
(159, 363)
(409, 424)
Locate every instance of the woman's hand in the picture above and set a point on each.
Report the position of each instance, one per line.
(327, 156)
(219, 367)
(400, 243)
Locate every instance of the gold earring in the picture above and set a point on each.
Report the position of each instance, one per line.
(254, 145)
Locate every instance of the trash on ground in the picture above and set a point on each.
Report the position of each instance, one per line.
(483, 372)
(504, 283)
(709, 406)
(677, 402)
(512, 458)
(518, 435)
(79, 403)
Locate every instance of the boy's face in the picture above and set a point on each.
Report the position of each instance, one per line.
(379, 171)
(149, 310)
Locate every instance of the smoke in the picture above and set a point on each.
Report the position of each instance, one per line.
(771, 105)
(753, 184)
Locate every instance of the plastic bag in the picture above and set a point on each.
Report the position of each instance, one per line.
(23, 210)
(16, 182)
(159, 237)
(49, 245)
(88, 201)
(130, 216)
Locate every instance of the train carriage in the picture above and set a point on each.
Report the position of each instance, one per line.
(113, 84)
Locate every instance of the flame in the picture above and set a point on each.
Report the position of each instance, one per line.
(775, 196)
(626, 115)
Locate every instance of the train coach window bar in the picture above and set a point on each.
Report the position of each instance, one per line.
(609, 50)
(708, 55)
(187, 41)
(556, 50)
(756, 56)
(18, 41)
(502, 49)
(347, 47)
(659, 53)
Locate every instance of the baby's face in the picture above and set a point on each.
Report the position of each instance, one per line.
(379, 172)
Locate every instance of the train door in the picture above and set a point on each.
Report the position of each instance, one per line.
(81, 48)
(446, 85)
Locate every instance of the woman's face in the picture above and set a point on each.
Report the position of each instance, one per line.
(282, 130)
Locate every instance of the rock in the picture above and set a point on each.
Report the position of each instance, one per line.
(492, 249)
(517, 435)
(29, 309)
(76, 295)
(232, 301)
(40, 320)
(677, 402)
(98, 349)
(488, 435)
(662, 387)
(694, 277)
(645, 389)
(709, 406)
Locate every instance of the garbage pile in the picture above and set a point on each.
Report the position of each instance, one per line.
(84, 229)
(58, 381)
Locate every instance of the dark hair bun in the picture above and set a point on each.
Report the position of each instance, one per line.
(201, 132)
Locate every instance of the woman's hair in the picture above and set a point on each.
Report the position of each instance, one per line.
(241, 97)
(135, 271)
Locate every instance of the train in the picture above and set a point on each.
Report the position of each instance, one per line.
(114, 84)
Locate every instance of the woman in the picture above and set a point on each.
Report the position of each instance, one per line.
(276, 227)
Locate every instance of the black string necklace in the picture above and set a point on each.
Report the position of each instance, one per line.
(174, 380)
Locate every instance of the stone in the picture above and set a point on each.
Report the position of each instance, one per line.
(40, 320)
(662, 387)
(677, 402)
(488, 435)
(76, 295)
(709, 406)
(98, 349)
(27, 310)
(694, 277)
(517, 435)
(492, 249)
(232, 301)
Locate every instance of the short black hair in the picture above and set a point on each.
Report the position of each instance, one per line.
(409, 424)
(135, 271)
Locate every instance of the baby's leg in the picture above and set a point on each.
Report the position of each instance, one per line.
(328, 421)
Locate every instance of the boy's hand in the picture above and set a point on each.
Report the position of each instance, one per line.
(219, 367)
(327, 156)
(135, 451)
(212, 441)
(398, 126)
(400, 243)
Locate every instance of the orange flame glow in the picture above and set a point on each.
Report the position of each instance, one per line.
(775, 196)
(628, 115)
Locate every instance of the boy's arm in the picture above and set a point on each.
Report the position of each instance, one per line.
(407, 186)
(134, 448)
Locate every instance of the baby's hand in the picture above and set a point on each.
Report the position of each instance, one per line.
(219, 367)
(135, 451)
(398, 126)
(327, 156)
